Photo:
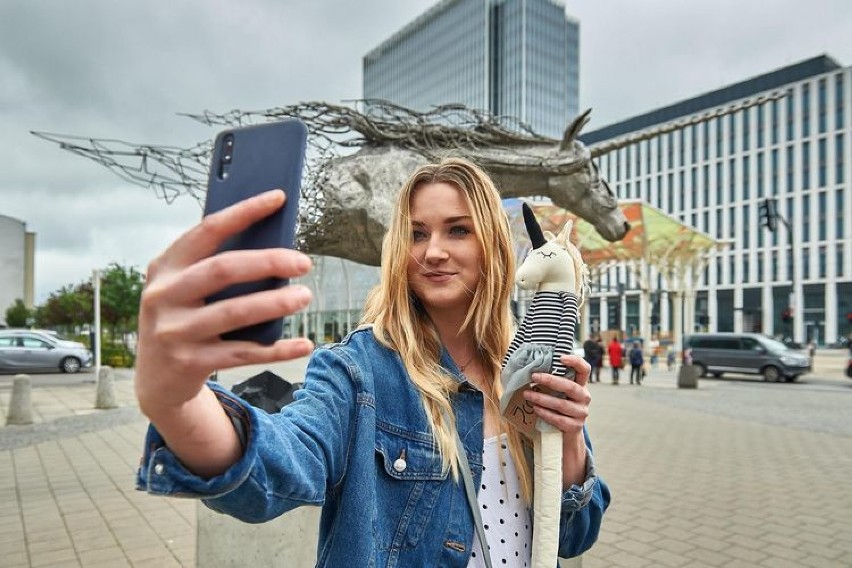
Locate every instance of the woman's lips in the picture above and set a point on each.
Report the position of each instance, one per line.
(439, 276)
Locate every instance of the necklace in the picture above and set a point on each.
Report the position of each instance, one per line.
(469, 361)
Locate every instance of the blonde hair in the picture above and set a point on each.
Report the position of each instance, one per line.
(400, 322)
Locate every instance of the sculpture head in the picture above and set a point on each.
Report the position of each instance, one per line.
(554, 263)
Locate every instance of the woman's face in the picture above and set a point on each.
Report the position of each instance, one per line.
(445, 260)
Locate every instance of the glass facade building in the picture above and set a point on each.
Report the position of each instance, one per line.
(714, 176)
(515, 58)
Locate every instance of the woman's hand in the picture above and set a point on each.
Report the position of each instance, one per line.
(565, 408)
(179, 344)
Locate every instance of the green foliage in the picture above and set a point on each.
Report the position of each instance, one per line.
(121, 292)
(116, 355)
(68, 307)
(18, 315)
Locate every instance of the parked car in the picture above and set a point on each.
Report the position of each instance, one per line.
(24, 350)
(747, 353)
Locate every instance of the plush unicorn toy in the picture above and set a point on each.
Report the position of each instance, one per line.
(557, 273)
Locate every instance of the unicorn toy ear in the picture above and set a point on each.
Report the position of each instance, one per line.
(564, 238)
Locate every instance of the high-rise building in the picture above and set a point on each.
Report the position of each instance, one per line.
(715, 176)
(514, 58)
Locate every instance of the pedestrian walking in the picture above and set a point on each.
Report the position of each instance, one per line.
(637, 361)
(615, 358)
(670, 359)
(593, 352)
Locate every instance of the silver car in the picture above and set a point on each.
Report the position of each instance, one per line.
(27, 350)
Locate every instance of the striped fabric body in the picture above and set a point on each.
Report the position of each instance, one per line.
(551, 319)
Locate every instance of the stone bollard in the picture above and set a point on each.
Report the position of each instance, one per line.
(20, 404)
(687, 377)
(105, 397)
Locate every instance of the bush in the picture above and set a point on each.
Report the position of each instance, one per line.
(117, 355)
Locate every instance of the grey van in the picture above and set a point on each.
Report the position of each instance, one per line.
(748, 353)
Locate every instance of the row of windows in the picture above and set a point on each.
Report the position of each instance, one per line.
(736, 178)
(709, 140)
(813, 264)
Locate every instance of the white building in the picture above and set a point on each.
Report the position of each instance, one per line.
(714, 176)
(17, 254)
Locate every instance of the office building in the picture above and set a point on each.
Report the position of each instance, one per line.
(17, 256)
(715, 176)
(516, 58)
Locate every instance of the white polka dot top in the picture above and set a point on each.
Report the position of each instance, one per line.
(505, 517)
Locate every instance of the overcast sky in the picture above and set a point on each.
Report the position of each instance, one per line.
(113, 69)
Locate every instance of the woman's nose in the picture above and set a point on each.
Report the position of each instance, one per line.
(436, 250)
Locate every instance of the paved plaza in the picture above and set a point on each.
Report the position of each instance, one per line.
(737, 473)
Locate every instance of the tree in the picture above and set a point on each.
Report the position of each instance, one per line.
(69, 307)
(18, 315)
(121, 292)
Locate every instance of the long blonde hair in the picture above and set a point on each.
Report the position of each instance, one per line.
(400, 322)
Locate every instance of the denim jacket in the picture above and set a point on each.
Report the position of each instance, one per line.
(335, 445)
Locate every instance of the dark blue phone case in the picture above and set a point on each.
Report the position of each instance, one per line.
(247, 161)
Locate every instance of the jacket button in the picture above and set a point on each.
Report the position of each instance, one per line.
(399, 465)
(159, 469)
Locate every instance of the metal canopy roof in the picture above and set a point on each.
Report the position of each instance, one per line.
(654, 236)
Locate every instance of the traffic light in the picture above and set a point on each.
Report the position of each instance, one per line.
(768, 210)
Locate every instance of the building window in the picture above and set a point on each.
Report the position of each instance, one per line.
(838, 263)
(839, 209)
(838, 101)
(705, 129)
(774, 266)
(732, 134)
(746, 130)
(838, 159)
(822, 262)
(790, 115)
(822, 215)
(693, 149)
(732, 269)
(746, 268)
(746, 177)
(759, 267)
(760, 126)
(719, 229)
(659, 153)
(693, 188)
(670, 151)
(790, 169)
(773, 110)
(821, 164)
(719, 138)
(680, 190)
(719, 180)
(806, 110)
(732, 222)
(706, 222)
(806, 165)
(760, 174)
(774, 174)
(732, 177)
(718, 270)
(822, 118)
(706, 185)
(746, 239)
(806, 266)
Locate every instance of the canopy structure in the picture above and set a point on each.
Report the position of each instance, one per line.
(677, 251)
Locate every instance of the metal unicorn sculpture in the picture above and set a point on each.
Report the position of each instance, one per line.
(555, 270)
(347, 199)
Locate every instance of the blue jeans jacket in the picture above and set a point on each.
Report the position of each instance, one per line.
(335, 447)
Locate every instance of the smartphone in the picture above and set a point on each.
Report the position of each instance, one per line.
(247, 161)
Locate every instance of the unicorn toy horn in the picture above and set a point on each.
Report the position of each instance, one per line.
(557, 273)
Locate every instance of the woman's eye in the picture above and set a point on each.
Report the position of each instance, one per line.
(418, 235)
(459, 231)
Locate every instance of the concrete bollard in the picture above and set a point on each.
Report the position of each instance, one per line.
(105, 397)
(21, 402)
(687, 377)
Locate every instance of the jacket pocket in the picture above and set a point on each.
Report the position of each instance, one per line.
(409, 482)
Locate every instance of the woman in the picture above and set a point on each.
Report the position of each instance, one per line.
(372, 435)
